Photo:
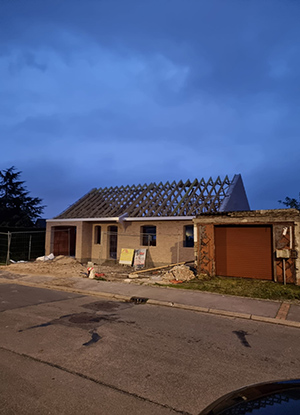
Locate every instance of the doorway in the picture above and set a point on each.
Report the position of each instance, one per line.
(112, 241)
(64, 240)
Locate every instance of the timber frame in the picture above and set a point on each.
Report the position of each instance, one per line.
(158, 200)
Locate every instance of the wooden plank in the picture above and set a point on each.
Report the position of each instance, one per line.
(162, 267)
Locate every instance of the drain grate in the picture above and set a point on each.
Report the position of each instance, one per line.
(138, 300)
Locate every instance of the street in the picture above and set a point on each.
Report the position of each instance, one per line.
(65, 353)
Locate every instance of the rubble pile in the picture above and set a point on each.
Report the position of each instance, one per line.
(179, 273)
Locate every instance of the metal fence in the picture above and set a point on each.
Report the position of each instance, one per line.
(21, 246)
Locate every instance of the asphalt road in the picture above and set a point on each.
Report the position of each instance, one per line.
(63, 353)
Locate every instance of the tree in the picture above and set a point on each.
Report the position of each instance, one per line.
(291, 202)
(17, 208)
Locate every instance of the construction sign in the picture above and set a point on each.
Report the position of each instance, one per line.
(139, 258)
(126, 256)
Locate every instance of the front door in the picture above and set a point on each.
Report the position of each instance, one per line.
(64, 240)
(112, 241)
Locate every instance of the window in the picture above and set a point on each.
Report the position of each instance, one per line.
(188, 236)
(97, 235)
(148, 235)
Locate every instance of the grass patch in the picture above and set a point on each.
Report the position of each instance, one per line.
(243, 287)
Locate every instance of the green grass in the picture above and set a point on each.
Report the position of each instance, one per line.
(243, 287)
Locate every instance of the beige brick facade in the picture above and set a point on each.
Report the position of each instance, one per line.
(170, 240)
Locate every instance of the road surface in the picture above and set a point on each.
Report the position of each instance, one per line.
(63, 353)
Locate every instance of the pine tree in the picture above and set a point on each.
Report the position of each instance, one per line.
(17, 208)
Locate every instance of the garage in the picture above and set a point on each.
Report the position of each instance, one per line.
(244, 251)
(257, 244)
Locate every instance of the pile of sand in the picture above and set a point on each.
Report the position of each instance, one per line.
(59, 266)
(64, 266)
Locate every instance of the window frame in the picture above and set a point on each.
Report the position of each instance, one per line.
(188, 242)
(148, 238)
(97, 235)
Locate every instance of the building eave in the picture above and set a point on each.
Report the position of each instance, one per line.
(126, 219)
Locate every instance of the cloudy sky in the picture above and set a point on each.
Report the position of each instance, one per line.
(97, 93)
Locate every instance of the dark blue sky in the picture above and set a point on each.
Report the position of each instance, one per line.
(100, 93)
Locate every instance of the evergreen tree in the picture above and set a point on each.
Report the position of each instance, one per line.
(17, 208)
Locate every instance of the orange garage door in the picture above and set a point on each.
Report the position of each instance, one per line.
(244, 251)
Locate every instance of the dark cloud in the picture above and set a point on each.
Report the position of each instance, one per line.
(110, 92)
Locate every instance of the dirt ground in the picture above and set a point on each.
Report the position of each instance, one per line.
(62, 266)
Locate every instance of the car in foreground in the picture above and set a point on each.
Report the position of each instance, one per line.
(270, 398)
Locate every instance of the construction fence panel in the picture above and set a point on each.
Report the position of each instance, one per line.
(3, 247)
(21, 246)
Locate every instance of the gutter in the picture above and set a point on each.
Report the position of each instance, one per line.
(124, 219)
(115, 219)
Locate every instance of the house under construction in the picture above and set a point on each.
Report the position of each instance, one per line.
(158, 217)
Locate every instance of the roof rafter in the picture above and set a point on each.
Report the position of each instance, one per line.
(152, 200)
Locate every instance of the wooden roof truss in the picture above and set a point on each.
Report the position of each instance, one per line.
(154, 200)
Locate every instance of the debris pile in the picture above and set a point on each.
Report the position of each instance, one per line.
(179, 273)
(62, 267)
(94, 275)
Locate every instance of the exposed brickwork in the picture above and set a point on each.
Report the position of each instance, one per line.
(206, 250)
(283, 239)
(285, 235)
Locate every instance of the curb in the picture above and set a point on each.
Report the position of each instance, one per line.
(170, 304)
(224, 313)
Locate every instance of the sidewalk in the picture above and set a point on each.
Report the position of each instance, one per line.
(275, 312)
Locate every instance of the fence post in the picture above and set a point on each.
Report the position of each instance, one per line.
(69, 242)
(8, 247)
(29, 247)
